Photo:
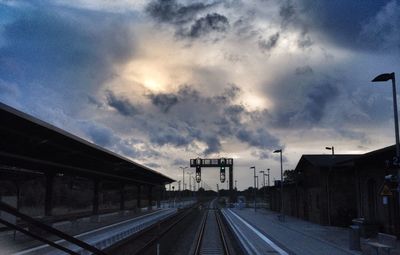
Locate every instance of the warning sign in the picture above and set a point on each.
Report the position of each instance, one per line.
(385, 191)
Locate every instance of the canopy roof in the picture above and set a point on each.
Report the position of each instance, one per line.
(28, 144)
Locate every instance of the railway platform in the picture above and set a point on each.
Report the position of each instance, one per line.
(294, 236)
(267, 234)
(111, 229)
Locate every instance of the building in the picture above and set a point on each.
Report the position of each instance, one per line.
(376, 211)
(320, 189)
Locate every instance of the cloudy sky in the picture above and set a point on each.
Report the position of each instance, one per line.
(164, 81)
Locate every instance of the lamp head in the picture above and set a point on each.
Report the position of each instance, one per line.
(278, 151)
(383, 77)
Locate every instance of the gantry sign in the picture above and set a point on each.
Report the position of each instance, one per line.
(222, 163)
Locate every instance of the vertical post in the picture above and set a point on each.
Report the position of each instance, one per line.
(396, 118)
(139, 197)
(268, 177)
(396, 126)
(150, 197)
(48, 200)
(122, 197)
(231, 195)
(254, 190)
(282, 211)
(95, 202)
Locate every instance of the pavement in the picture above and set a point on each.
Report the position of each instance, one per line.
(296, 236)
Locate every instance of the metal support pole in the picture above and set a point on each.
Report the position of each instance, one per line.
(122, 197)
(139, 197)
(48, 200)
(150, 197)
(282, 210)
(254, 190)
(95, 209)
(231, 195)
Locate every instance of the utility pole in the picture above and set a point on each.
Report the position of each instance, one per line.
(328, 192)
(254, 191)
(183, 176)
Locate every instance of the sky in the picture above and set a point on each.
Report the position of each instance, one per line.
(161, 82)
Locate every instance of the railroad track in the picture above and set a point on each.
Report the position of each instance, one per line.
(211, 238)
(144, 241)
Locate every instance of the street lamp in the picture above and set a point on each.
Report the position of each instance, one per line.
(327, 184)
(183, 176)
(282, 214)
(268, 176)
(254, 168)
(386, 77)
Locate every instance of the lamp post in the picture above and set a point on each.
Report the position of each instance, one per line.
(328, 192)
(268, 176)
(254, 168)
(183, 175)
(386, 77)
(263, 174)
(190, 180)
(282, 214)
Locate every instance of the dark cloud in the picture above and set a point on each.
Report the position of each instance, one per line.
(301, 100)
(170, 11)
(163, 101)
(180, 162)
(287, 12)
(304, 42)
(316, 101)
(213, 144)
(353, 135)
(122, 105)
(261, 154)
(49, 47)
(382, 31)
(267, 45)
(342, 21)
(259, 138)
(210, 23)
(100, 135)
(67, 52)
(169, 135)
(304, 70)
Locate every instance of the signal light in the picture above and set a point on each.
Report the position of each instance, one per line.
(198, 174)
(222, 174)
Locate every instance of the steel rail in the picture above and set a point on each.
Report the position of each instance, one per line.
(201, 234)
(162, 233)
(222, 233)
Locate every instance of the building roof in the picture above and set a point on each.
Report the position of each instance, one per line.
(325, 160)
(29, 143)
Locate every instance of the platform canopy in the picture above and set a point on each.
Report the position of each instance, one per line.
(29, 146)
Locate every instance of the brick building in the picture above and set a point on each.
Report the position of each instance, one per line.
(322, 190)
(334, 190)
(376, 212)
